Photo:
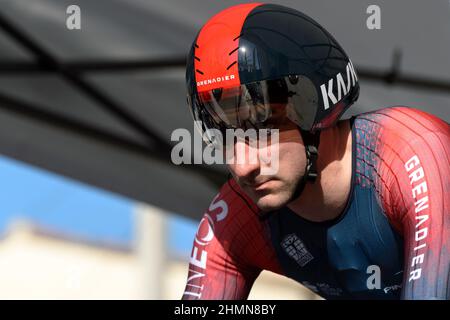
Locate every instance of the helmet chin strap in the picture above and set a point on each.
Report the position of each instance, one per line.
(311, 142)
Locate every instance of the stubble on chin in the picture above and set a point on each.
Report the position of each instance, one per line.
(270, 201)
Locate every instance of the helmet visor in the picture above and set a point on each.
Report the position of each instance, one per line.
(267, 104)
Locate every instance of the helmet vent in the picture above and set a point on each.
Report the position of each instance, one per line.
(233, 51)
(231, 65)
(237, 37)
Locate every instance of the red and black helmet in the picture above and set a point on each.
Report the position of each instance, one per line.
(251, 56)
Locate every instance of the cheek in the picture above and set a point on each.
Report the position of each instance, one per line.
(292, 158)
(292, 152)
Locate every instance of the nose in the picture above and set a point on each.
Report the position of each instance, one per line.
(245, 164)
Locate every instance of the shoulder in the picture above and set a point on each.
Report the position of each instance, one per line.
(399, 132)
(232, 220)
(386, 139)
(400, 122)
(405, 152)
(235, 220)
(229, 207)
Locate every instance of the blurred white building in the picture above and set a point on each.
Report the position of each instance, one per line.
(37, 263)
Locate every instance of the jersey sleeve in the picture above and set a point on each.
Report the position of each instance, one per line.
(230, 249)
(416, 153)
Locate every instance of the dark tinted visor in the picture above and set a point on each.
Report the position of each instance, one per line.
(258, 105)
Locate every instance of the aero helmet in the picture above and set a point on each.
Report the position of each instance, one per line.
(250, 57)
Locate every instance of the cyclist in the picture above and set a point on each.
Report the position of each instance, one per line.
(358, 208)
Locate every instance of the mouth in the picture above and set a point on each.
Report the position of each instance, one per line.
(260, 186)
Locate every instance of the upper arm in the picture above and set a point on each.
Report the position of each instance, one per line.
(214, 274)
(420, 207)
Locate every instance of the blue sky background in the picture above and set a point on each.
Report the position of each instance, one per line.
(66, 205)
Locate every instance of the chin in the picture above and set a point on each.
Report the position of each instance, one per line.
(272, 201)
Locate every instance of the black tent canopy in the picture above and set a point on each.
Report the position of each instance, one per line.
(99, 104)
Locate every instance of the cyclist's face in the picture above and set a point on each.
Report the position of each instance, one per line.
(275, 190)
